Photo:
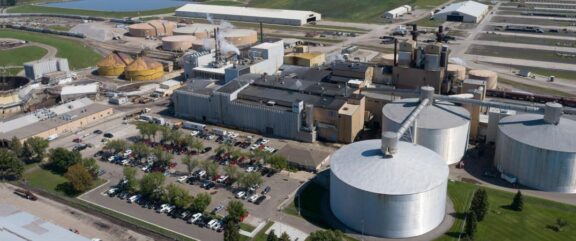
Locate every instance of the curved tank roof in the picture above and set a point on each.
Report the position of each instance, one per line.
(194, 28)
(414, 169)
(531, 129)
(179, 38)
(143, 63)
(115, 59)
(439, 115)
(235, 32)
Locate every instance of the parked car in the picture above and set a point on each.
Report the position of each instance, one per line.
(163, 208)
(208, 185)
(26, 194)
(266, 190)
(240, 194)
(250, 169)
(134, 198)
(253, 198)
(222, 179)
(108, 135)
(218, 209)
(97, 132)
(260, 200)
(212, 223)
(182, 178)
(195, 217)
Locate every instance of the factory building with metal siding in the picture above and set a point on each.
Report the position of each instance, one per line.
(442, 126)
(468, 12)
(35, 70)
(392, 196)
(538, 151)
(246, 14)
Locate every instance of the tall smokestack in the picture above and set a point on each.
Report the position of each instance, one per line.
(440, 34)
(414, 32)
(261, 33)
(395, 63)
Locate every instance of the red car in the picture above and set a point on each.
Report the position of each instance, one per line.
(77, 140)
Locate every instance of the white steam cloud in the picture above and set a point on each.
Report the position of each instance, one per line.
(456, 60)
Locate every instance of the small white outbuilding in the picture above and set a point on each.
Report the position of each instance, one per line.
(398, 12)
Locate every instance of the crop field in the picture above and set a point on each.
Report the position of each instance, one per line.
(518, 53)
(529, 21)
(547, 31)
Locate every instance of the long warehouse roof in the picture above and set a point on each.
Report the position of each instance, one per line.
(471, 8)
(246, 11)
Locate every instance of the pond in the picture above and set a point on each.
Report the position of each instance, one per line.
(118, 5)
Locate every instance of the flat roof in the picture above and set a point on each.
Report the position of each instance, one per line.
(16, 225)
(246, 11)
(80, 89)
(53, 122)
(286, 98)
(471, 8)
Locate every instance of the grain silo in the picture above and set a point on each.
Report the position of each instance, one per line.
(539, 151)
(114, 64)
(441, 126)
(240, 37)
(144, 68)
(456, 72)
(393, 196)
(153, 28)
(198, 30)
(177, 43)
(490, 77)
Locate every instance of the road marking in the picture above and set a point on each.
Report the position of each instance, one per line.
(139, 219)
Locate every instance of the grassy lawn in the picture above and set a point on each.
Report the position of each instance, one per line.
(225, 2)
(59, 28)
(427, 22)
(45, 180)
(43, 9)
(261, 236)
(78, 54)
(535, 89)
(18, 56)
(247, 227)
(501, 223)
(345, 10)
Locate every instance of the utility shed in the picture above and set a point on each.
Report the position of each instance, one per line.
(305, 158)
(398, 12)
(246, 14)
(468, 12)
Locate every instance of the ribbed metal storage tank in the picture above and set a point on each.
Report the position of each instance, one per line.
(198, 30)
(539, 151)
(153, 28)
(177, 43)
(490, 77)
(144, 68)
(240, 37)
(114, 64)
(442, 127)
(396, 196)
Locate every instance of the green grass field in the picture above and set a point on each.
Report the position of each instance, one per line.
(519, 53)
(261, 236)
(345, 10)
(78, 54)
(247, 227)
(42, 9)
(18, 56)
(45, 180)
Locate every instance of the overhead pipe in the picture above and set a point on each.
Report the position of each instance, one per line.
(506, 106)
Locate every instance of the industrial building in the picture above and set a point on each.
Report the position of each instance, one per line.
(152, 28)
(298, 105)
(262, 58)
(144, 68)
(398, 12)
(16, 225)
(167, 87)
(72, 92)
(539, 151)
(441, 126)
(198, 30)
(468, 12)
(15, 91)
(64, 118)
(37, 69)
(114, 64)
(246, 14)
(308, 59)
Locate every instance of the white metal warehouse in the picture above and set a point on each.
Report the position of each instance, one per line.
(469, 12)
(398, 12)
(246, 14)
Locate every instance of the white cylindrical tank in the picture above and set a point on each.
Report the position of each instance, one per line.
(442, 127)
(539, 154)
(396, 196)
(177, 43)
(490, 77)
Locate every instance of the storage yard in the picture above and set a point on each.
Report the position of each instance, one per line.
(400, 107)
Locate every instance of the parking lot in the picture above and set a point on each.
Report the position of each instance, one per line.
(282, 184)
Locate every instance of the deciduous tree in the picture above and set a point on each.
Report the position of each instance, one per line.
(231, 231)
(35, 149)
(200, 202)
(236, 210)
(79, 178)
(178, 196)
(16, 146)
(323, 235)
(151, 185)
(130, 177)
(61, 159)
(10, 166)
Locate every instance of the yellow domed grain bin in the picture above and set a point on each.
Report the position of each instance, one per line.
(114, 64)
(144, 68)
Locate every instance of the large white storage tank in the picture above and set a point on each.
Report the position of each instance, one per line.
(397, 196)
(540, 151)
(442, 126)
